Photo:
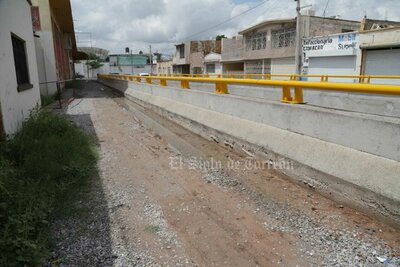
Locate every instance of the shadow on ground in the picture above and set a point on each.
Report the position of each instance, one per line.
(82, 235)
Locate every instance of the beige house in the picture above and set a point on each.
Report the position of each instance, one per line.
(189, 57)
(164, 67)
(269, 47)
(55, 43)
(232, 55)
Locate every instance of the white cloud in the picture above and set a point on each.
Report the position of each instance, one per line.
(115, 24)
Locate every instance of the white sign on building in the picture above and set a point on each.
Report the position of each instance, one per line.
(331, 45)
(334, 54)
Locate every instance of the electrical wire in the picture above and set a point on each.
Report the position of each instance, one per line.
(225, 21)
(326, 6)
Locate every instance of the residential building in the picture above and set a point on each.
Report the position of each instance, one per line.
(380, 49)
(374, 50)
(269, 47)
(213, 64)
(129, 64)
(55, 43)
(232, 55)
(19, 86)
(164, 67)
(189, 56)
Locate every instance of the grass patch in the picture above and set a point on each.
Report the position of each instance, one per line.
(41, 170)
(48, 99)
(153, 229)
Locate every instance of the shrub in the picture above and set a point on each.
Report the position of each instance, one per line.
(41, 167)
(47, 100)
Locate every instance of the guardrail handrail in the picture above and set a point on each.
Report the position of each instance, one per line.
(322, 77)
(221, 85)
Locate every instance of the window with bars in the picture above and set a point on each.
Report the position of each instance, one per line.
(21, 63)
(256, 41)
(283, 38)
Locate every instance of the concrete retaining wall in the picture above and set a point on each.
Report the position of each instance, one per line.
(346, 156)
(380, 105)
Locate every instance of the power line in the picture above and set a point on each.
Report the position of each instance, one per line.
(326, 6)
(223, 22)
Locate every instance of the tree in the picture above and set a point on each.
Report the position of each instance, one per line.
(220, 37)
(94, 65)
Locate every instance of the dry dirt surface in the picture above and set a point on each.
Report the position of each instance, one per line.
(167, 197)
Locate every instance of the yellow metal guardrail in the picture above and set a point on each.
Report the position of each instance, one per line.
(221, 85)
(323, 78)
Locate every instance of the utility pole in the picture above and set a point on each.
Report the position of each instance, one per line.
(131, 61)
(151, 62)
(297, 59)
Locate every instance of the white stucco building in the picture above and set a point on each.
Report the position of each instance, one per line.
(19, 86)
(213, 64)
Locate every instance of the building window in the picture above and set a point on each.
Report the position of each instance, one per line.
(210, 68)
(256, 41)
(283, 38)
(21, 63)
(181, 51)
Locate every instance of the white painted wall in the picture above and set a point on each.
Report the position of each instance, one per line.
(128, 69)
(282, 66)
(82, 69)
(45, 55)
(218, 68)
(15, 17)
(213, 58)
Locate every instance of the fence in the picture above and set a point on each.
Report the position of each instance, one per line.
(293, 84)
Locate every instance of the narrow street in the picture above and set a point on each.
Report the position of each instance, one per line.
(161, 199)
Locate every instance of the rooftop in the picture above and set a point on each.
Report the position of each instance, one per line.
(285, 20)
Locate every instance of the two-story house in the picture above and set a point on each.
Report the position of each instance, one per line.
(269, 47)
(189, 57)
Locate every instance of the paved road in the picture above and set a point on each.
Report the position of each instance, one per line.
(166, 197)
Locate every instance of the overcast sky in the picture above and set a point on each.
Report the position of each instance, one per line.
(116, 24)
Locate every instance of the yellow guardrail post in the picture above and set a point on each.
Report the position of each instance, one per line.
(185, 84)
(366, 79)
(298, 96)
(286, 95)
(163, 82)
(221, 88)
(148, 80)
(138, 79)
